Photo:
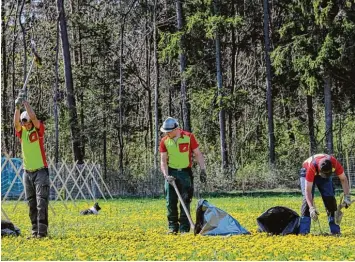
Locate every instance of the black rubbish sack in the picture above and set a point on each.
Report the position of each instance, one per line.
(279, 220)
(212, 221)
(9, 229)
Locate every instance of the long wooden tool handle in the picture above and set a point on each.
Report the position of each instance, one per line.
(28, 75)
(183, 205)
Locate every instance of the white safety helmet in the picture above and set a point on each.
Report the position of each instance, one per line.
(169, 125)
(25, 117)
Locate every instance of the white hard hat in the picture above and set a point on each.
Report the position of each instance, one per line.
(169, 125)
(25, 117)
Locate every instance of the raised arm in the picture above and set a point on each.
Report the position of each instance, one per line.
(31, 114)
(17, 123)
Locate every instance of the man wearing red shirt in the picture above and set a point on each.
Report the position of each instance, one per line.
(176, 150)
(317, 170)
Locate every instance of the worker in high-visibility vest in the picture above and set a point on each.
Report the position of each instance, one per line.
(176, 149)
(30, 131)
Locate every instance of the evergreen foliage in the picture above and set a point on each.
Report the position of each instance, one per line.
(111, 47)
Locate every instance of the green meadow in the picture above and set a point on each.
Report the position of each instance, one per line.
(135, 229)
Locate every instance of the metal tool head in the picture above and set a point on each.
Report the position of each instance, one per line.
(338, 215)
(37, 58)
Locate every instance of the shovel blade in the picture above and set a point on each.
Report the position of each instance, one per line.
(338, 216)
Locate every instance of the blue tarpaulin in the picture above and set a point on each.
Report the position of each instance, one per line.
(212, 221)
(8, 174)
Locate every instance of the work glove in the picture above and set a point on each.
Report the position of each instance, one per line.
(347, 201)
(170, 179)
(314, 213)
(203, 176)
(22, 95)
(18, 102)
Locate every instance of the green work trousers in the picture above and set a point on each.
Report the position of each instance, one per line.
(184, 184)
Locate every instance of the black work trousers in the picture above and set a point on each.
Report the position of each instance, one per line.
(37, 194)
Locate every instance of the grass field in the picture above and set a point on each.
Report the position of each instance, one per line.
(135, 229)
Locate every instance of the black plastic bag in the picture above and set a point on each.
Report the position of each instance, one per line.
(9, 229)
(279, 220)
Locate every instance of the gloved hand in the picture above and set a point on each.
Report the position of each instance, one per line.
(18, 102)
(203, 176)
(22, 95)
(169, 179)
(347, 201)
(314, 213)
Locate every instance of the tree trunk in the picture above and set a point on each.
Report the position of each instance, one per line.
(182, 57)
(121, 87)
(222, 130)
(156, 89)
(55, 99)
(231, 144)
(328, 115)
(73, 118)
(340, 124)
(4, 113)
(147, 40)
(268, 86)
(77, 62)
(170, 98)
(105, 110)
(291, 134)
(15, 142)
(310, 113)
(120, 101)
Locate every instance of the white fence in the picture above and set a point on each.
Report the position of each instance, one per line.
(67, 182)
(348, 163)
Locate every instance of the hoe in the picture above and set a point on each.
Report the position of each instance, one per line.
(339, 214)
(183, 205)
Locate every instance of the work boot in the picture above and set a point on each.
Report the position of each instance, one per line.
(172, 232)
(334, 228)
(184, 227)
(34, 235)
(305, 225)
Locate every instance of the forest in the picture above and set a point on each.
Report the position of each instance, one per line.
(262, 84)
